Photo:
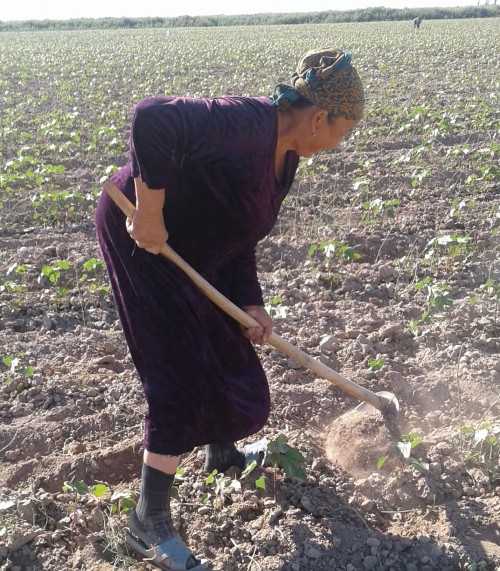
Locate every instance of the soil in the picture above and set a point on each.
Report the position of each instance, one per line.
(78, 417)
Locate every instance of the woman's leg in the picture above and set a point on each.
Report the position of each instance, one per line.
(152, 513)
(151, 521)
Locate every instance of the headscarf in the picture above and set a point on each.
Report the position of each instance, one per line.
(326, 78)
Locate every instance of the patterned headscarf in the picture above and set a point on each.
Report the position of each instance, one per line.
(326, 78)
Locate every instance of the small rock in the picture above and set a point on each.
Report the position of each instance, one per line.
(106, 360)
(313, 553)
(329, 343)
(387, 272)
(399, 383)
(367, 505)
(12, 455)
(370, 562)
(336, 542)
(46, 323)
(373, 542)
(390, 330)
(26, 510)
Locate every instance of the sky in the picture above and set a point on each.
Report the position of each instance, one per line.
(66, 9)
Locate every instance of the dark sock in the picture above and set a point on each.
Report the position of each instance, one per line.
(151, 520)
(153, 507)
(221, 457)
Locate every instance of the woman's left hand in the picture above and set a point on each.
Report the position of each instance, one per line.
(256, 334)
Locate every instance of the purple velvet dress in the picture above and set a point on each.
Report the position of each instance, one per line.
(202, 379)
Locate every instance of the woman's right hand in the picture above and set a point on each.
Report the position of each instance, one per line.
(147, 226)
(148, 230)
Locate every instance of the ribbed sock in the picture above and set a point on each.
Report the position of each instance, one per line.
(221, 457)
(153, 507)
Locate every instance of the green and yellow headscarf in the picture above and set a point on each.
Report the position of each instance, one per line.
(326, 78)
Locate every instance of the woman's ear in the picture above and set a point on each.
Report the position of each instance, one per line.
(320, 115)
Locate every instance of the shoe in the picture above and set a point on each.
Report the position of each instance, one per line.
(170, 555)
(256, 452)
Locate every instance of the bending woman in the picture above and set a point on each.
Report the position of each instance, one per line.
(209, 175)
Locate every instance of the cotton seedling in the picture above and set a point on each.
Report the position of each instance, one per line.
(220, 486)
(402, 454)
(275, 309)
(334, 248)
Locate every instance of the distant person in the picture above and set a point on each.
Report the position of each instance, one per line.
(416, 23)
(209, 175)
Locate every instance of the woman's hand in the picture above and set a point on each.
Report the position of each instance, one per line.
(259, 334)
(148, 231)
(147, 226)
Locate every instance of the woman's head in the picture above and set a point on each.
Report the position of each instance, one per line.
(325, 78)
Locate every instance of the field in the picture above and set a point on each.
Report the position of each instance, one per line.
(383, 265)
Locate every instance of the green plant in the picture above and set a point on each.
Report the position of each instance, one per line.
(437, 298)
(275, 309)
(376, 364)
(15, 366)
(333, 248)
(5, 524)
(122, 502)
(402, 454)
(220, 486)
(53, 274)
(458, 205)
(289, 459)
(449, 245)
(482, 446)
(418, 321)
(77, 489)
(492, 289)
(92, 269)
(378, 207)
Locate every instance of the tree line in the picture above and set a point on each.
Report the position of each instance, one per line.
(328, 17)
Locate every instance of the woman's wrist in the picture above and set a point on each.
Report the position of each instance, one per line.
(149, 202)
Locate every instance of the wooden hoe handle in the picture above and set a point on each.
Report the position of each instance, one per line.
(296, 354)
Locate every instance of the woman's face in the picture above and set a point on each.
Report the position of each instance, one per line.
(324, 134)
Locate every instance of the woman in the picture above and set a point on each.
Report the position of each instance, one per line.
(209, 175)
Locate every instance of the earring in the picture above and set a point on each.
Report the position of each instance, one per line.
(314, 133)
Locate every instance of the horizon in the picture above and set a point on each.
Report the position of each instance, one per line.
(93, 9)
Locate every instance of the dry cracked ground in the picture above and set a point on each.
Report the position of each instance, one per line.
(71, 408)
